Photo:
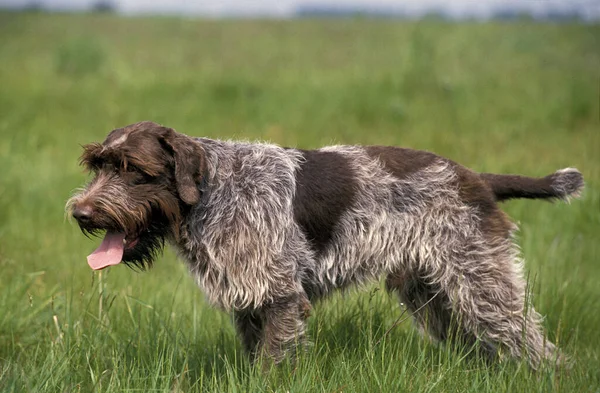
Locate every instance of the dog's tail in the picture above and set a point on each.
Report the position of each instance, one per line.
(562, 184)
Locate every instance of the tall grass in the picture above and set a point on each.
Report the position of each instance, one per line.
(520, 98)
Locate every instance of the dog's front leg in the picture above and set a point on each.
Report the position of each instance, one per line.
(249, 324)
(275, 329)
(284, 325)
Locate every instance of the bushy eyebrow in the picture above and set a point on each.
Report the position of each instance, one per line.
(95, 155)
(92, 156)
(147, 164)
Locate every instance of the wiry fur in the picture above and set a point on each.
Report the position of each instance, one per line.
(567, 183)
(242, 236)
(266, 230)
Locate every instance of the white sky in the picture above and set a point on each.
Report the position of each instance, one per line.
(282, 8)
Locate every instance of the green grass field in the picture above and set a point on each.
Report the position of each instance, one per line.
(509, 98)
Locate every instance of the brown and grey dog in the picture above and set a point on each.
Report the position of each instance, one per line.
(267, 230)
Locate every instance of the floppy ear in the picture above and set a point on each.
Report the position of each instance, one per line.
(189, 165)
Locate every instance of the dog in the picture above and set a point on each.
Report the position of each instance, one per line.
(266, 231)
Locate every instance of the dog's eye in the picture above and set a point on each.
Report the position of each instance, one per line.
(130, 168)
(108, 167)
(135, 175)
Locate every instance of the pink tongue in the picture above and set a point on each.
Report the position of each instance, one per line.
(109, 253)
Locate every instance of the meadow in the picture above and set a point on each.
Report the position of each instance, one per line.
(508, 98)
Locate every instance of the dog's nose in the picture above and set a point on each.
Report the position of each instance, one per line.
(83, 213)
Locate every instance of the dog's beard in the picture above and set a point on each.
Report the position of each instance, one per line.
(148, 247)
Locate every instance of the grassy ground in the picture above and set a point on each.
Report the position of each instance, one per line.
(495, 97)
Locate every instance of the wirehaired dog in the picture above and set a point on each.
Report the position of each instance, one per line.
(267, 230)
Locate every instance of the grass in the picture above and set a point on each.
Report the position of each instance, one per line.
(516, 97)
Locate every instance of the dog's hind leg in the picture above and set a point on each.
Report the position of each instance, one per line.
(432, 313)
(487, 295)
(476, 292)
(428, 307)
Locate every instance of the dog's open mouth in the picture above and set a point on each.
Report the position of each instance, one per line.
(110, 252)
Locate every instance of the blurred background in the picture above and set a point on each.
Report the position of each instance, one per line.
(558, 10)
(499, 86)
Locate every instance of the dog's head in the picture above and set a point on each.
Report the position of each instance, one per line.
(145, 177)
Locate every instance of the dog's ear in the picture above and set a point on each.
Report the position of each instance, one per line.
(189, 163)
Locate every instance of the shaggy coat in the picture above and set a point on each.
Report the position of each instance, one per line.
(267, 230)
